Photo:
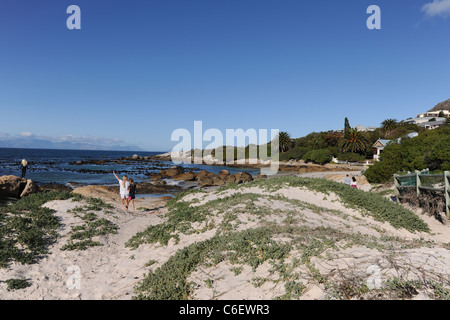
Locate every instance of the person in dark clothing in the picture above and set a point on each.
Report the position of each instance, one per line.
(132, 193)
(24, 167)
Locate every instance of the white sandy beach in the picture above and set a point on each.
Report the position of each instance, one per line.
(111, 271)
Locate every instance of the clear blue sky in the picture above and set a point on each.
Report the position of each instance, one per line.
(139, 69)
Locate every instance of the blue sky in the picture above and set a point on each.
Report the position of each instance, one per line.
(139, 69)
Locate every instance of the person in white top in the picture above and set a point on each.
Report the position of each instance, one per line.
(124, 193)
(347, 180)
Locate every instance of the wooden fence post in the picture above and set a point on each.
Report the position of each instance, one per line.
(447, 192)
(418, 182)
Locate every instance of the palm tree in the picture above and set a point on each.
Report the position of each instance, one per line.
(388, 125)
(284, 141)
(355, 141)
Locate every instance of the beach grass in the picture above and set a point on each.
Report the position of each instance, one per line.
(92, 225)
(27, 228)
(373, 204)
(256, 246)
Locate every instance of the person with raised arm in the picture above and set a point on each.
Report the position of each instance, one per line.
(124, 193)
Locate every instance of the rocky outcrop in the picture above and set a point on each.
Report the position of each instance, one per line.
(174, 171)
(223, 178)
(223, 174)
(203, 177)
(242, 177)
(218, 181)
(205, 181)
(10, 186)
(15, 187)
(202, 173)
(185, 176)
(30, 187)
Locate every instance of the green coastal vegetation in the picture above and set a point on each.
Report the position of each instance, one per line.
(429, 149)
(349, 144)
(255, 246)
(27, 228)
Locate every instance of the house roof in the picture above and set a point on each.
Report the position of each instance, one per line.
(381, 142)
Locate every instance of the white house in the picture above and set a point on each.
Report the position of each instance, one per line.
(433, 124)
(421, 120)
(360, 127)
(378, 147)
(434, 114)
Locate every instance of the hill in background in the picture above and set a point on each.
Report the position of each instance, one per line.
(444, 105)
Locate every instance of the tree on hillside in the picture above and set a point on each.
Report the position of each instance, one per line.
(388, 125)
(284, 141)
(347, 127)
(332, 137)
(355, 141)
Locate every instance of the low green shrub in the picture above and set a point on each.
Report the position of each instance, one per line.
(351, 157)
(320, 156)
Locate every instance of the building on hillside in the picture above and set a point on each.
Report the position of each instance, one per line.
(426, 122)
(434, 114)
(433, 124)
(422, 120)
(409, 135)
(378, 147)
(360, 127)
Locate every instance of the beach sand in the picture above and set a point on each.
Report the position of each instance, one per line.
(111, 271)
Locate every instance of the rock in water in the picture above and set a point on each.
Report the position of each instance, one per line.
(172, 172)
(186, 176)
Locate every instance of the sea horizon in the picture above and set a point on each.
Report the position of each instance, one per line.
(65, 166)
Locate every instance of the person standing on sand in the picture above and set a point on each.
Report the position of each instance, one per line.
(24, 167)
(124, 193)
(354, 183)
(132, 193)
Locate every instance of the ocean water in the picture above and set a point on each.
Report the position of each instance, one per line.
(47, 166)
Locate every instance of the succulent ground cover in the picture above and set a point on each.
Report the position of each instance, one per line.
(286, 246)
(28, 228)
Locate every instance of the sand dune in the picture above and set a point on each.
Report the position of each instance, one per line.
(360, 249)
